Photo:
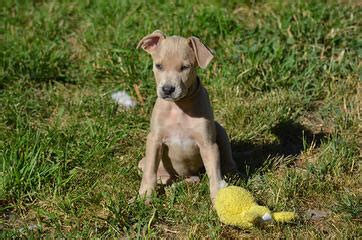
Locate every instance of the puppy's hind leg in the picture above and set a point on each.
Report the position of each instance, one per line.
(163, 177)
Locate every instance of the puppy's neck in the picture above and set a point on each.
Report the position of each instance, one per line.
(192, 91)
(187, 103)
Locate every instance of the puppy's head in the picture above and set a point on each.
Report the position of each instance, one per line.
(174, 62)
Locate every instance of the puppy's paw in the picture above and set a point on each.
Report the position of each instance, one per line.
(148, 201)
(146, 190)
(221, 184)
(146, 198)
(192, 179)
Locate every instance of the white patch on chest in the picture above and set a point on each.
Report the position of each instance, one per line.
(180, 141)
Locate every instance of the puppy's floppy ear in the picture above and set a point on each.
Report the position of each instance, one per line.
(150, 42)
(202, 52)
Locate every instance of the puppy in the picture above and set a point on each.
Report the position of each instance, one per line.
(184, 137)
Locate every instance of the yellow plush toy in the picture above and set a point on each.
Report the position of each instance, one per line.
(236, 206)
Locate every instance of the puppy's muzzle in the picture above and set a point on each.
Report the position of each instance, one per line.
(168, 89)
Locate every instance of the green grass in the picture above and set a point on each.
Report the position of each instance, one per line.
(284, 84)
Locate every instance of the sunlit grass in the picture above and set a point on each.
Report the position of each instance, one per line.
(283, 83)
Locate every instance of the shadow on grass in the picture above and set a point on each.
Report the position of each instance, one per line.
(293, 138)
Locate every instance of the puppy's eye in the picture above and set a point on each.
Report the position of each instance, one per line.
(159, 66)
(185, 67)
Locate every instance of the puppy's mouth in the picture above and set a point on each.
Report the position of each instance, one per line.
(172, 98)
(168, 98)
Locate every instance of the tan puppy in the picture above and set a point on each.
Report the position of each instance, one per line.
(184, 137)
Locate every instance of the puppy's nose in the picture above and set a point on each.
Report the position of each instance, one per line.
(168, 89)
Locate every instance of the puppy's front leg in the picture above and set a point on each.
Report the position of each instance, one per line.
(152, 160)
(211, 158)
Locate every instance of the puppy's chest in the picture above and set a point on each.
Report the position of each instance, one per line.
(178, 133)
(179, 140)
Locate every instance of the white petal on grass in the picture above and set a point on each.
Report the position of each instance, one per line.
(123, 99)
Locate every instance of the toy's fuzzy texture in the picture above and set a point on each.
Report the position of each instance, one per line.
(284, 216)
(236, 206)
